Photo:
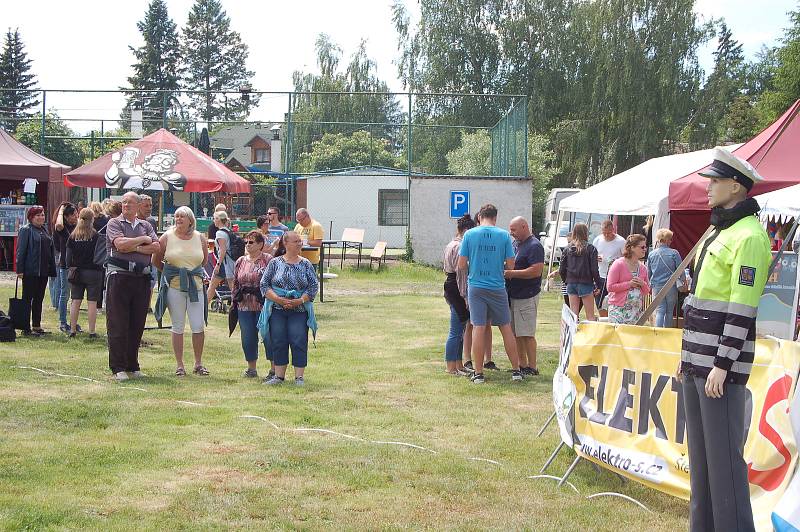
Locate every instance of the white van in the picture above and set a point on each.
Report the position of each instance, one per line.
(553, 201)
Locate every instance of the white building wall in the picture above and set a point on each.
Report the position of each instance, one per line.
(431, 225)
(352, 201)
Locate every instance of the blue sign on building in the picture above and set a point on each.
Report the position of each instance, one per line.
(459, 203)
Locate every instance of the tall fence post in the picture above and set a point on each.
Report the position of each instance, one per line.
(44, 122)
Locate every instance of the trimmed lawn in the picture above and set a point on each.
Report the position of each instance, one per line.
(166, 453)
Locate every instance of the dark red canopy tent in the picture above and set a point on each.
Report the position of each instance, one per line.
(159, 161)
(18, 162)
(774, 153)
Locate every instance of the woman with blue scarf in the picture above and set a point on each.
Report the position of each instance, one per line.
(290, 284)
(181, 259)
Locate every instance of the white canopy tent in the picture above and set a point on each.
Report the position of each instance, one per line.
(782, 204)
(642, 190)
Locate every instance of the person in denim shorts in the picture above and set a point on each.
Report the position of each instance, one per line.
(578, 269)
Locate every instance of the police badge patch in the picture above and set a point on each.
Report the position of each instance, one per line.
(747, 276)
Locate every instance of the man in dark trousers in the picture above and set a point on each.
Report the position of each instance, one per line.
(131, 243)
(719, 345)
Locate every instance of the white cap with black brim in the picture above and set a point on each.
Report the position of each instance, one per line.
(728, 166)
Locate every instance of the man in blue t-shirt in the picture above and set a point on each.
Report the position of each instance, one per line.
(524, 283)
(272, 229)
(486, 251)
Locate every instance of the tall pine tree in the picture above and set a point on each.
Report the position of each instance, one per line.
(15, 73)
(215, 60)
(157, 66)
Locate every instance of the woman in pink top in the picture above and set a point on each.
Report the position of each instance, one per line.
(628, 283)
(247, 295)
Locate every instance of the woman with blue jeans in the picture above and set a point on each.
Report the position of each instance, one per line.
(661, 264)
(290, 285)
(455, 293)
(65, 222)
(247, 296)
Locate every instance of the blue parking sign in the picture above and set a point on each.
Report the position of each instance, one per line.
(459, 203)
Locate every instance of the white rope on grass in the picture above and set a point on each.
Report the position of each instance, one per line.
(265, 420)
(620, 495)
(403, 444)
(326, 431)
(551, 477)
(476, 459)
(54, 374)
(190, 403)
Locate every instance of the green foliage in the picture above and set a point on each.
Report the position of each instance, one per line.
(474, 155)
(784, 86)
(67, 151)
(337, 150)
(156, 68)
(741, 121)
(315, 115)
(542, 170)
(215, 59)
(15, 73)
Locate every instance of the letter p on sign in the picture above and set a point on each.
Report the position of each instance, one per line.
(459, 203)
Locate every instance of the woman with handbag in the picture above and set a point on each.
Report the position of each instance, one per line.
(661, 264)
(248, 299)
(83, 274)
(35, 263)
(181, 258)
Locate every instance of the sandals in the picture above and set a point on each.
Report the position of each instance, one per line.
(200, 370)
(180, 372)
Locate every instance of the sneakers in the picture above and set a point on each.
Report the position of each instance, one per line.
(251, 373)
(273, 381)
(464, 372)
(137, 374)
(121, 376)
(477, 378)
(490, 365)
(93, 336)
(298, 381)
(529, 371)
(468, 365)
(516, 375)
(64, 328)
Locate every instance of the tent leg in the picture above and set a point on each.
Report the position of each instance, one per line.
(546, 424)
(569, 471)
(552, 457)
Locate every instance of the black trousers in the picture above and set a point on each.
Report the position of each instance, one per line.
(720, 496)
(33, 290)
(127, 301)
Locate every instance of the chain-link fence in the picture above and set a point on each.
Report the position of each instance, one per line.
(510, 141)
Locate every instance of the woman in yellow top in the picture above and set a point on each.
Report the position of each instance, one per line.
(181, 259)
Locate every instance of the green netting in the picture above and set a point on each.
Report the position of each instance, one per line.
(510, 141)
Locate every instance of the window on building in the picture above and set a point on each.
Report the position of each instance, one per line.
(261, 155)
(393, 207)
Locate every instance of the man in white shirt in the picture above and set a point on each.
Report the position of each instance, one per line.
(609, 248)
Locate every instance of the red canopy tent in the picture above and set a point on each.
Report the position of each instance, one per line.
(774, 153)
(159, 161)
(18, 162)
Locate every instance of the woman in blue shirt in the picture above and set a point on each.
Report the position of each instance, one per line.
(661, 264)
(290, 284)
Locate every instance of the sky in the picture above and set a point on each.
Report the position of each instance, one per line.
(83, 44)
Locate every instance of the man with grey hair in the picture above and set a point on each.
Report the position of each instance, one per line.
(131, 243)
(145, 212)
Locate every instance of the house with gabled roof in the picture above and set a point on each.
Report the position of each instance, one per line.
(254, 145)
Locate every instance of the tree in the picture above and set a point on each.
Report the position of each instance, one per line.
(473, 157)
(156, 67)
(361, 105)
(215, 61)
(15, 73)
(336, 150)
(67, 151)
(707, 127)
(785, 85)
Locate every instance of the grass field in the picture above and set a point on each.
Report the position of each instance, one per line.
(165, 453)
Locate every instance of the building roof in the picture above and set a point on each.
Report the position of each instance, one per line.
(237, 139)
